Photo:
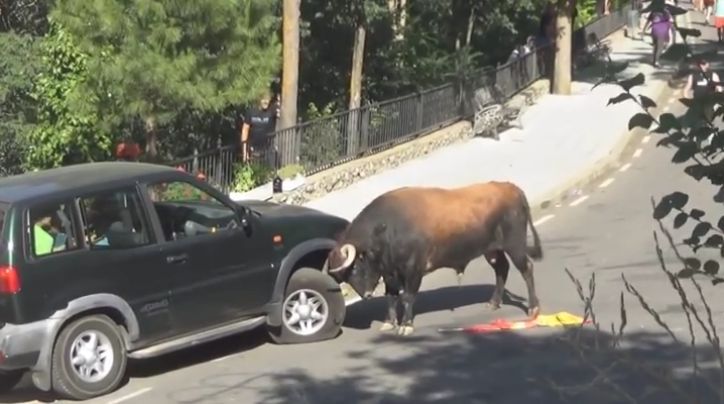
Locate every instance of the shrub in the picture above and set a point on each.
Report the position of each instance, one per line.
(320, 141)
(250, 176)
(290, 171)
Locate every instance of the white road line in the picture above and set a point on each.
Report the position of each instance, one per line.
(606, 183)
(579, 200)
(625, 167)
(646, 139)
(223, 358)
(543, 220)
(130, 396)
(638, 152)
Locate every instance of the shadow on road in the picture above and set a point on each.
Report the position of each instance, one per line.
(201, 354)
(362, 314)
(359, 316)
(495, 368)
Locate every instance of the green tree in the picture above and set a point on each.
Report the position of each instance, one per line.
(424, 51)
(28, 17)
(63, 135)
(18, 65)
(150, 59)
(22, 23)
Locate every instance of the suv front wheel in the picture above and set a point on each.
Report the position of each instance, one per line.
(313, 308)
(89, 358)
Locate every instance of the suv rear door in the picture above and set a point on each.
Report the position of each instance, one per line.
(124, 259)
(61, 257)
(221, 273)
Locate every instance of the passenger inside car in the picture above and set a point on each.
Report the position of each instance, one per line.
(111, 222)
(50, 230)
(44, 241)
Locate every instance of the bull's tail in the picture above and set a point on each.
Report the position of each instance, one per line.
(535, 251)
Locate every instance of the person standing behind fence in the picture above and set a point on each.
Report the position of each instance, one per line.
(257, 132)
(660, 32)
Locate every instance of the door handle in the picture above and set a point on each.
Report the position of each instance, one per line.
(177, 259)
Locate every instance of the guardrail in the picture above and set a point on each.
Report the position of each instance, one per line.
(323, 143)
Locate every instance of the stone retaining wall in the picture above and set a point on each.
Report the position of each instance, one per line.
(344, 175)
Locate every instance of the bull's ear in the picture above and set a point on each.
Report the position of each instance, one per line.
(379, 229)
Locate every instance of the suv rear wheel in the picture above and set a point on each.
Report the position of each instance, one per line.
(313, 308)
(9, 379)
(89, 358)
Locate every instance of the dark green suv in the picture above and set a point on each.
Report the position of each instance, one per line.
(105, 261)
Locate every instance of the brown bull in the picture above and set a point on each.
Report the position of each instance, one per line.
(407, 233)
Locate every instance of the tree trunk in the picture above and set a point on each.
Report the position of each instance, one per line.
(471, 26)
(290, 70)
(358, 54)
(289, 145)
(151, 138)
(562, 64)
(403, 18)
(398, 9)
(355, 88)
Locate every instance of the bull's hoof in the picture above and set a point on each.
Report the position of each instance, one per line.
(533, 312)
(492, 305)
(387, 326)
(406, 330)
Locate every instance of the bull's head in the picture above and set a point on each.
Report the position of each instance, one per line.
(345, 264)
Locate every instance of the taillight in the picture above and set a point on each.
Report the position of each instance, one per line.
(9, 280)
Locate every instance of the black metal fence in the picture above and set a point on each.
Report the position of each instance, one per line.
(323, 143)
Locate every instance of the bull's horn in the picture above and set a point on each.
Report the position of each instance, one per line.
(350, 253)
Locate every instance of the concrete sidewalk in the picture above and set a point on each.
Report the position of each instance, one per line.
(563, 140)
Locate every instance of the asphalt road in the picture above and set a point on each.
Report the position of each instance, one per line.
(606, 230)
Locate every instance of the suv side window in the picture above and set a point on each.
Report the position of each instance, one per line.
(185, 210)
(51, 229)
(114, 220)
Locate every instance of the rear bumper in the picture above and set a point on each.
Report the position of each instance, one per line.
(21, 344)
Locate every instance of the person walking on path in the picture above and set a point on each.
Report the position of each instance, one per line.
(708, 8)
(661, 23)
(719, 19)
(701, 82)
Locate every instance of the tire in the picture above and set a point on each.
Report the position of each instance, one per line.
(316, 287)
(9, 379)
(66, 380)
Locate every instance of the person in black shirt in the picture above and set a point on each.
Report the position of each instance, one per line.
(257, 132)
(701, 81)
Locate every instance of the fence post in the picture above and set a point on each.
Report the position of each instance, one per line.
(353, 132)
(420, 110)
(195, 162)
(365, 128)
(218, 167)
(297, 153)
(287, 145)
